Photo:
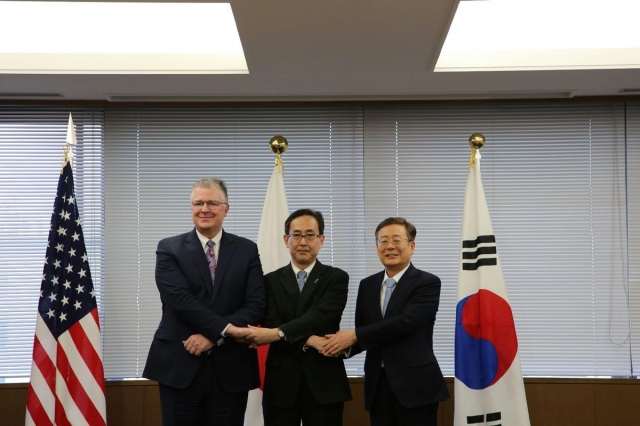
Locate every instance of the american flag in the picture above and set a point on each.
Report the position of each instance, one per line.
(67, 376)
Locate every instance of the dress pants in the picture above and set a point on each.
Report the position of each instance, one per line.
(203, 402)
(387, 411)
(306, 409)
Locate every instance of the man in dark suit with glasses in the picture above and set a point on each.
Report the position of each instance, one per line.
(305, 300)
(211, 287)
(395, 314)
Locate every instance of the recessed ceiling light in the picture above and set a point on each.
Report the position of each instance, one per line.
(119, 38)
(507, 35)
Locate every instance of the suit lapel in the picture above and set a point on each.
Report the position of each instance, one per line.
(196, 251)
(288, 281)
(373, 294)
(408, 278)
(227, 247)
(311, 284)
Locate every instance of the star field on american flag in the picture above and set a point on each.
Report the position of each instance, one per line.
(67, 290)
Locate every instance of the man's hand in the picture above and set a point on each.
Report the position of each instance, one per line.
(239, 334)
(337, 343)
(262, 336)
(196, 344)
(317, 343)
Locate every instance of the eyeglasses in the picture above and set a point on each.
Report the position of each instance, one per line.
(199, 204)
(384, 242)
(308, 237)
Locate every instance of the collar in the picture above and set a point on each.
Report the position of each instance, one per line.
(397, 276)
(307, 269)
(204, 240)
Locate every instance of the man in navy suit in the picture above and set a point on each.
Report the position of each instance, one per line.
(305, 300)
(395, 314)
(211, 287)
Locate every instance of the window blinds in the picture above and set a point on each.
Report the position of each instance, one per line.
(153, 157)
(633, 231)
(561, 181)
(554, 177)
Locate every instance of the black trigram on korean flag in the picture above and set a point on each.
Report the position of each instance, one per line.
(481, 418)
(479, 252)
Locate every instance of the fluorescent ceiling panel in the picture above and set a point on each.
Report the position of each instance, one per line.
(119, 38)
(508, 35)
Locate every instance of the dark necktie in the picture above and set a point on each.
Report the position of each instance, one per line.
(302, 275)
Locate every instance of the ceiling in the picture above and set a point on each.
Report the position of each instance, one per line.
(331, 50)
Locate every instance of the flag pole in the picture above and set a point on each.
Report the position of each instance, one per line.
(67, 373)
(273, 255)
(488, 383)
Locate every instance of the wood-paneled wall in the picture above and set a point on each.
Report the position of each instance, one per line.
(552, 402)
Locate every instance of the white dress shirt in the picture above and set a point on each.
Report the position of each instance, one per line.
(307, 270)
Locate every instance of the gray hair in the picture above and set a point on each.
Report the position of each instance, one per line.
(210, 182)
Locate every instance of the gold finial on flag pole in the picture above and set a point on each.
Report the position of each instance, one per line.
(476, 141)
(279, 145)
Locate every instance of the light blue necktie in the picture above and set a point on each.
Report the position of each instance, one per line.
(211, 259)
(390, 283)
(302, 275)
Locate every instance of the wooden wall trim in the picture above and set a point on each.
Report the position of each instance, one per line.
(552, 402)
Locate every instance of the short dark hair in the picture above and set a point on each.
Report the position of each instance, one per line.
(411, 230)
(305, 212)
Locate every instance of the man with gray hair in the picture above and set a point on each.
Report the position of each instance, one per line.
(211, 287)
(395, 315)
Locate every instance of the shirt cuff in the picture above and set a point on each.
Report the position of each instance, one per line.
(225, 330)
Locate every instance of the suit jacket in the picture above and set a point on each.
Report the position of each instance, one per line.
(315, 311)
(403, 339)
(191, 305)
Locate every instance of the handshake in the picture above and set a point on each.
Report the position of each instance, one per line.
(331, 345)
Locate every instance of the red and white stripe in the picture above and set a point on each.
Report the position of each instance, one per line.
(67, 376)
